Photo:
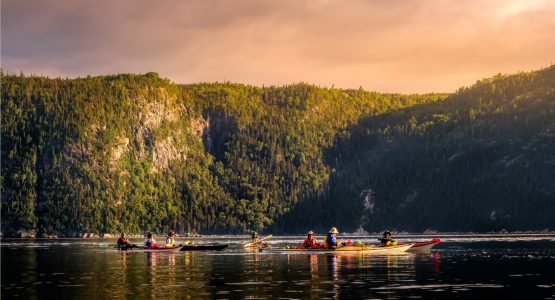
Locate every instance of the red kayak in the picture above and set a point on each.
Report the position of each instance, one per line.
(145, 249)
(423, 247)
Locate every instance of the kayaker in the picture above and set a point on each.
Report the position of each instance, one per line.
(123, 243)
(254, 238)
(310, 241)
(331, 242)
(386, 239)
(170, 242)
(150, 242)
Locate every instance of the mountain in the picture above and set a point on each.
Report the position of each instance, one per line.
(138, 153)
(481, 160)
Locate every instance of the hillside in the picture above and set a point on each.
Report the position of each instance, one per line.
(482, 160)
(138, 153)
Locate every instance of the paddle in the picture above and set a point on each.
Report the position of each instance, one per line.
(253, 244)
(185, 243)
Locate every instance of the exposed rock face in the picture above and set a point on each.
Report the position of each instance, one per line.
(166, 150)
(121, 148)
(199, 127)
(89, 235)
(154, 136)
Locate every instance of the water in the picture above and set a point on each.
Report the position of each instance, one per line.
(460, 267)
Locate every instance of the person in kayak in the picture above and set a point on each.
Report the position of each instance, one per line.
(254, 238)
(150, 243)
(310, 241)
(386, 239)
(123, 243)
(170, 242)
(331, 242)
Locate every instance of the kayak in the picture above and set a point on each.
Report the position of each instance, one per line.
(356, 249)
(202, 247)
(145, 249)
(257, 245)
(423, 247)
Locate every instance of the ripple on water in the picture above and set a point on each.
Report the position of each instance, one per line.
(247, 283)
(71, 285)
(440, 286)
(223, 292)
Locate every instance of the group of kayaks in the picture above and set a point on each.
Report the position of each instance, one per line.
(421, 247)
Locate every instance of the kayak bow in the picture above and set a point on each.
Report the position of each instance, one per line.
(423, 247)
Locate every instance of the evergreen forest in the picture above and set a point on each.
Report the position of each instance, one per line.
(139, 153)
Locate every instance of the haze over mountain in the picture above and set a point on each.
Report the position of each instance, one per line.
(139, 153)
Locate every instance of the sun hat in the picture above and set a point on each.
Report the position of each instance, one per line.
(333, 230)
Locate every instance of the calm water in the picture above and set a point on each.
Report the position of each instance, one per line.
(460, 267)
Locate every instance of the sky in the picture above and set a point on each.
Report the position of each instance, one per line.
(406, 46)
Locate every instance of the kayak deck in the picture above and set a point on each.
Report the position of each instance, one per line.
(176, 248)
(144, 249)
(356, 249)
(202, 247)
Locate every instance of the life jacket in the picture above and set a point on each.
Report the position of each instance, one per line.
(388, 242)
(170, 242)
(122, 241)
(150, 243)
(310, 243)
(330, 241)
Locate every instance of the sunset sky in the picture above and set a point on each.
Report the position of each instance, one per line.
(390, 46)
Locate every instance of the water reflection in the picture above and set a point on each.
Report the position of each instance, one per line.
(436, 259)
(82, 272)
(314, 276)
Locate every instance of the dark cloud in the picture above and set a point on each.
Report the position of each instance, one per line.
(406, 46)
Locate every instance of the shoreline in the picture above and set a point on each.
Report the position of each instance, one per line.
(347, 235)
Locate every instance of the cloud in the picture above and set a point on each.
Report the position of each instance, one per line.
(395, 46)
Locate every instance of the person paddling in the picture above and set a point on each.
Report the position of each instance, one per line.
(150, 243)
(386, 239)
(310, 241)
(170, 242)
(123, 243)
(254, 238)
(331, 242)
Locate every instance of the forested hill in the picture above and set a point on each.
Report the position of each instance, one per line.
(138, 153)
(482, 160)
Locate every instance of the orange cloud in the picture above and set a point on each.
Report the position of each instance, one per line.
(393, 46)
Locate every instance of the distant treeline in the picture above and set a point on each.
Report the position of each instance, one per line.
(138, 153)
